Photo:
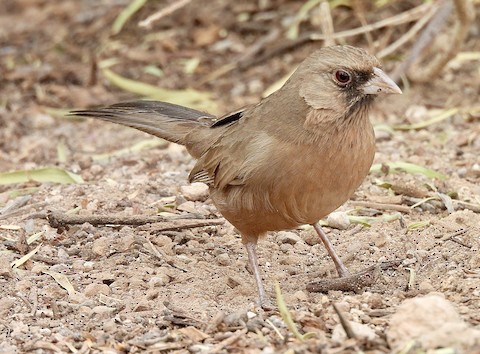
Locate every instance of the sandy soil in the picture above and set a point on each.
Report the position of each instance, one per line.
(133, 289)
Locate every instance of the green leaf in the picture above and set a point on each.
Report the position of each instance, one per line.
(46, 174)
(141, 145)
(408, 168)
(438, 118)
(188, 97)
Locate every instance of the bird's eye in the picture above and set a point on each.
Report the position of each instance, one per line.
(342, 77)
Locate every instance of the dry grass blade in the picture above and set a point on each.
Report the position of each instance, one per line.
(43, 175)
(125, 15)
(287, 318)
(409, 35)
(302, 14)
(418, 225)
(17, 263)
(174, 6)
(344, 322)
(368, 220)
(62, 280)
(188, 97)
(390, 167)
(141, 145)
(443, 115)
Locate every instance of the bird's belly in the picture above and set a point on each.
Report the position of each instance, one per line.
(300, 192)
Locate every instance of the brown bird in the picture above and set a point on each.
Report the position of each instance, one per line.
(289, 160)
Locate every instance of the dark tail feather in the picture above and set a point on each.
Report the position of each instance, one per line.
(165, 120)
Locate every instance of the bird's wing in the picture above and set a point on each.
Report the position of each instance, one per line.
(241, 147)
(222, 163)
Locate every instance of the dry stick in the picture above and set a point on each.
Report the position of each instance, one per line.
(407, 16)
(259, 45)
(354, 282)
(465, 16)
(15, 204)
(159, 224)
(245, 59)
(174, 6)
(409, 35)
(344, 322)
(426, 38)
(381, 206)
(404, 17)
(326, 23)
(453, 237)
(182, 224)
(229, 341)
(359, 10)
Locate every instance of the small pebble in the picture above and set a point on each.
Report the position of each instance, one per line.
(288, 237)
(223, 259)
(195, 191)
(94, 289)
(159, 280)
(100, 246)
(338, 220)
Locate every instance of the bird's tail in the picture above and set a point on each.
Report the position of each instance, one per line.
(165, 120)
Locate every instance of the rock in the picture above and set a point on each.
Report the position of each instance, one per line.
(425, 287)
(338, 220)
(101, 246)
(5, 268)
(159, 280)
(301, 295)
(433, 322)
(103, 310)
(95, 289)
(375, 301)
(288, 237)
(360, 330)
(223, 259)
(195, 191)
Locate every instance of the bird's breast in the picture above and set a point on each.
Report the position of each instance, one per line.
(299, 183)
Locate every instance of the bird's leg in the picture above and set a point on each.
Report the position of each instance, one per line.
(341, 269)
(253, 259)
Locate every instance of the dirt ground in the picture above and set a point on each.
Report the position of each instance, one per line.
(115, 289)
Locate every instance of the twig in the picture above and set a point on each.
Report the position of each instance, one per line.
(22, 210)
(453, 237)
(354, 282)
(258, 46)
(406, 16)
(344, 322)
(465, 16)
(409, 35)
(57, 219)
(174, 6)
(381, 206)
(182, 225)
(465, 205)
(15, 204)
(229, 341)
(411, 279)
(326, 23)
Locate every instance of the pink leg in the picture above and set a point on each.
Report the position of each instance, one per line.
(341, 269)
(252, 258)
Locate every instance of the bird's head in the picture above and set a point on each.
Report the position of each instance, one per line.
(342, 81)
